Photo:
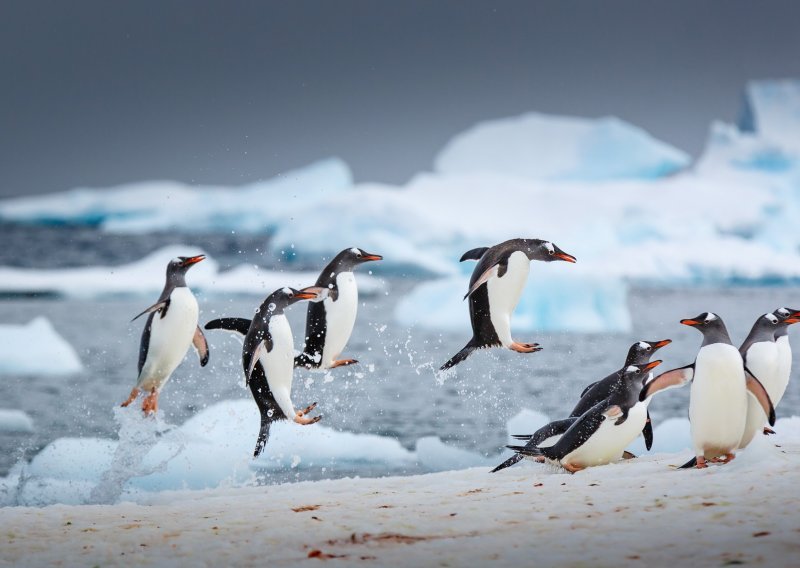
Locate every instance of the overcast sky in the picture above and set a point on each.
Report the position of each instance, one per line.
(95, 93)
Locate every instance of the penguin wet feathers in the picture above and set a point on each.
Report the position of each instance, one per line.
(495, 289)
(170, 329)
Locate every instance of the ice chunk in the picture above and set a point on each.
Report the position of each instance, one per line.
(540, 146)
(772, 110)
(165, 205)
(15, 421)
(36, 348)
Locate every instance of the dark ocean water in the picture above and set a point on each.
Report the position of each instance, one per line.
(393, 392)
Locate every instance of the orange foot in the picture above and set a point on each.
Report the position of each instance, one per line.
(572, 468)
(768, 431)
(701, 463)
(131, 398)
(525, 347)
(343, 363)
(150, 403)
(301, 417)
(728, 458)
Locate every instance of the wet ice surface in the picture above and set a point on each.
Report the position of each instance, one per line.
(393, 392)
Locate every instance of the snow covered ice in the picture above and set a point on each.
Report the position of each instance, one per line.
(36, 348)
(15, 421)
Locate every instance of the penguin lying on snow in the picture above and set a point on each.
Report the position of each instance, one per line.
(268, 358)
(601, 434)
(718, 403)
(171, 327)
(639, 354)
(495, 289)
(329, 323)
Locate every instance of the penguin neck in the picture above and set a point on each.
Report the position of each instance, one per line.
(758, 334)
(177, 280)
(782, 330)
(717, 334)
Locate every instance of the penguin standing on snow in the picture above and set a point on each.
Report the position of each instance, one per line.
(495, 289)
(718, 403)
(329, 323)
(639, 354)
(171, 327)
(602, 433)
(268, 358)
(788, 317)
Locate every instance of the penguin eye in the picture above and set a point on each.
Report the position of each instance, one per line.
(551, 252)
(647, 348)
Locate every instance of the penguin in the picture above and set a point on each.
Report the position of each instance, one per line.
(718, 403)
(638, 354)
(495, 289)
(329, 323)
(601, 434)
(171, 327)
(268, 358)
(788, 316)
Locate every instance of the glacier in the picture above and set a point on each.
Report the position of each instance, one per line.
(36, 348)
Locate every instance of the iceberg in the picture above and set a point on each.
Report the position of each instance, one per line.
(772, 110)
(15, 421)
(547, 147)
(36, 348)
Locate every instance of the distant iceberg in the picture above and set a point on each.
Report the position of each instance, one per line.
(15, 421)
(36, 348)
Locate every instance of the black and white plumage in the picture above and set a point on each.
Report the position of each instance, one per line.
(720, 383)
(268, 358)
(495, 289)
(601, 434)
(329, 323)
(170, 329)
(787, 317)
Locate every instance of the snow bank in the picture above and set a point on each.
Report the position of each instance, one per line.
(15, 421)
(166, 205)
(541, 146)
(36, 348)
(145, 277)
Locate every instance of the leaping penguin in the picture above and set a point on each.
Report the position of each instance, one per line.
(639, 354)
(495, 289)
(718, 403)
(329, 323)
(171, 327)
(268, 358)
(602, 433)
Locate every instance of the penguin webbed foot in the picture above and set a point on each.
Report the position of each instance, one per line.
(525, 347)
(343, 363)
(150, 403)
(304, 420)
(768, 431)
(133, 396)
(572, 468)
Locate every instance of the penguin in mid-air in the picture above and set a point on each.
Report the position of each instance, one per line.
(170, 329)
(495, 289)
(601, 434)
(329, 323)
(718, 403)
(268, 358)
(639, 354)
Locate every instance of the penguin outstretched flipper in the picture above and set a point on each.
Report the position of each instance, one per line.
(474, 254)
(461, 355)
(201, 346)
(235, 325)
(647, 432)
(163, 305)
(508, 463)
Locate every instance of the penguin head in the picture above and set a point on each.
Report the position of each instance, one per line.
(705, 322)
(349, 258)
(545, 251)
(641, 351)
(785, 314)
(177, 267)
(638, 373)
(287, 296)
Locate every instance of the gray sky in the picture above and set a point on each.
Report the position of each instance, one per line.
(97, 93)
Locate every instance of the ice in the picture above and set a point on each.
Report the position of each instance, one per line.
(541, 146)
(550, 302)
(15, 421)
(36, 348)
(772, 109)
(167, 205)
(145, 277)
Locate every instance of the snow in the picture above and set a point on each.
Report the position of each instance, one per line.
(636, 511)
(540, 146)
(36, 348)
(15, 421)
(145, 277)
(773, 111)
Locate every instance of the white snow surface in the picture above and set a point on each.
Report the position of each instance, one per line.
(541, 146)
(634, 512)
(36, 348)
(146, 277)
(12, 420)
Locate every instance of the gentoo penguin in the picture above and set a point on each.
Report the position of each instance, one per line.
(329, 323)
(601, 434)
(638, 354)
(788, 317)
(495, 289)
(171, 327)
(268, 358)
(718, 403)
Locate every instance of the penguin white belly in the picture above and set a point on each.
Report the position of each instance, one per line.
(504, 294)
(784, 369)
(170, 338)
(609, 441)
(340, 317)
(718, 403)
(279, 363)
(763, 361)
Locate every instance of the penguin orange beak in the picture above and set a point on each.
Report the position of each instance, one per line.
(372, 257)
(565, 257)
(652, 365)
(194, 259)
(662, 343)
(310, 293)
(690, 322)
(792, 319)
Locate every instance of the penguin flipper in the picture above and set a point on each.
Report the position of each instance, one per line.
(235, 325)
(691, 463)
(647, 433)
(508, 463)
(163, 305)
(461, 355)
(474, 254)
(588, 388)
(668, 380)
(201, 346)
(267, 406)
(755, 388)
(488, 273)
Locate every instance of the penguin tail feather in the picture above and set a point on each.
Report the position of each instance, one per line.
(524, 451)
(508, 463)
(691, 463)
(524, 437)
(304, 360)
(461, 355)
